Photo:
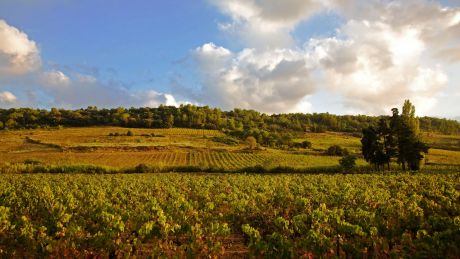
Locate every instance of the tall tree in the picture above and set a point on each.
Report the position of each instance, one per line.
(408, 116)
(372, 148)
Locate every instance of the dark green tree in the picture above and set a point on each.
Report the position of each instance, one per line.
(372, 149)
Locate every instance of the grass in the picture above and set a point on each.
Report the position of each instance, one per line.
(439, 141)
(447, 157)
(322, 141)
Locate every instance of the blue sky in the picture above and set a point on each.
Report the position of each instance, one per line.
(234, 53)
(140, 43)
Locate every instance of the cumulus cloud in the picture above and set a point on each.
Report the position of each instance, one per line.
(382, 60)
(270, 81)
(385, 52)
(153, 99)
(266, 23)
(376, 67)
(55, 79)
(18, 54)
(7, 98)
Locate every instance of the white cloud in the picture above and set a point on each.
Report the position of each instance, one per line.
(385, 52)
(18, 54)
(376, 68)
(7, 97)
(55, 79)
(153, 99)
(270, 81)
(266, 23)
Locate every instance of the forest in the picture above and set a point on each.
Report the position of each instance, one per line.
(190, 116)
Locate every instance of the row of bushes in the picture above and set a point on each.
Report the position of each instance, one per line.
(32, 167)
(131, 134)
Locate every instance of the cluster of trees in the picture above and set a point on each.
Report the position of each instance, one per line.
(190, 116)
(274, 139)
(397, 137)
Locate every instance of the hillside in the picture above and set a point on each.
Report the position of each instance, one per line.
(186, 147)
(189, 116)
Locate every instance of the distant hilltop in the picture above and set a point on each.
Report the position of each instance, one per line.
(190, 116)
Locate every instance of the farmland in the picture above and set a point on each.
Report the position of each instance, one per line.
(177, 146)
(155, 147)
(229, 215)
(217, 214)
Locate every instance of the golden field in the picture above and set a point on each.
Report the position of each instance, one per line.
(176, 146)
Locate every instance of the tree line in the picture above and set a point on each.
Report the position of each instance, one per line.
(238, 121)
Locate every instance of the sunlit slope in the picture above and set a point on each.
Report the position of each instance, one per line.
(111, 146)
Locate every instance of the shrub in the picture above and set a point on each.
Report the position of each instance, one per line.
(129, 133)
(141, 168)
(225, 139)
(336, 150)
(348, 163)
(305, 144)
(32, 162)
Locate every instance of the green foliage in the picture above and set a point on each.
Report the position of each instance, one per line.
(32, 162)
(305, 144)
(189, 116)
(176, 215)
(409, 119)
(348, 163)
(225, 139)
(373, 148)
(336, 150)
(141, 168)
(399, 138)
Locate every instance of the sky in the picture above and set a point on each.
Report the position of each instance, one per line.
(337, 56)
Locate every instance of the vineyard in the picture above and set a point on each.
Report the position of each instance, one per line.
(231, 216)
(175, 147)
(153, 147)
(54, 211)
(225, 160)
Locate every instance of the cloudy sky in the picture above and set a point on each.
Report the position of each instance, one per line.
(337, 56)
